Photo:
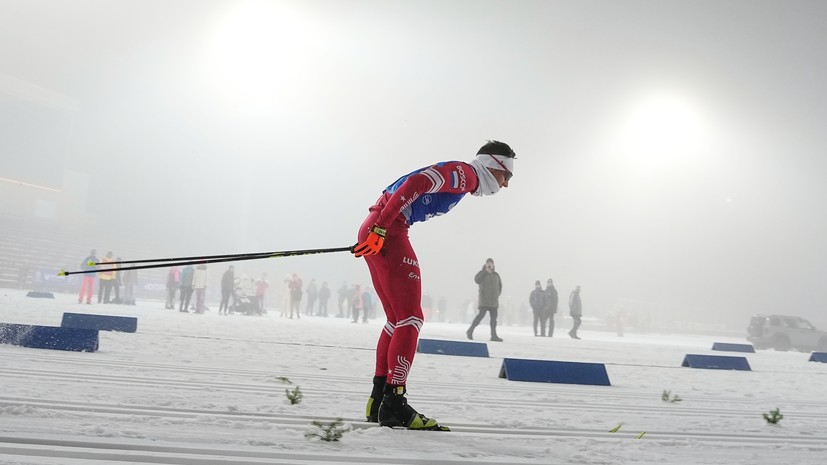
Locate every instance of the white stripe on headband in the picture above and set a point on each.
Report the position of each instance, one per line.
(496, 162)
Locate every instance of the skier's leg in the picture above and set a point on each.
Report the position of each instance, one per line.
(402, 288)
(380, 377)
(378, 266)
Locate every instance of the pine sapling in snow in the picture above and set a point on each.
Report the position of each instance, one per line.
(328, 432)
(294, 396)
(774, 416)
(666, 397)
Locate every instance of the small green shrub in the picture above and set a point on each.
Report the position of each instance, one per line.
(294, 396)
(327, 432)
(773, 417)
(666, 397)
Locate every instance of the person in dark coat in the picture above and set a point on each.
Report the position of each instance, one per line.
(312, 296)
(551, 305)
(324, 295)
(576, 311)
(491, 286)
(227, 286)
(537, 300)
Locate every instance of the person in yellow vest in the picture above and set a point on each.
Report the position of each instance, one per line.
(106, 278)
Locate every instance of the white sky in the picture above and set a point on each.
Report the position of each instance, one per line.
(667, 151)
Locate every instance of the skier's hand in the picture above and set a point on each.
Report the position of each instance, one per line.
(373, 244)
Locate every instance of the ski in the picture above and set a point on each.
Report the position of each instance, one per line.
(400, 427)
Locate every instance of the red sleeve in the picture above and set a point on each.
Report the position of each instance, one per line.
(453, 177)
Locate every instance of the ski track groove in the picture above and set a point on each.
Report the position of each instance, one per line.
(305, 421)
(263, 388)
(328, 376)
(121, 452)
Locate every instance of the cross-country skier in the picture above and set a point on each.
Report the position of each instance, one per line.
(394, 268)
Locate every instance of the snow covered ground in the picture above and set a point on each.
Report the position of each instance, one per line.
(206, 389)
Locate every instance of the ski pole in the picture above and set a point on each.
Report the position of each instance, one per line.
(231, 258)
(283, 253)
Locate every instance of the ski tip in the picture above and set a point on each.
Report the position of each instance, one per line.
(616, 428)
(639, 436)
(91, 263)
(62, 272)
(432, 428)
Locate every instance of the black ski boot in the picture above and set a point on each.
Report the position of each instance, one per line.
(395, 411)
(372, 410)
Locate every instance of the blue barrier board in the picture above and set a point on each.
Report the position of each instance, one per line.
(728, 347)
(552, 371)
(460, 348)
(49, 337)
(716, 362)
(126, 324)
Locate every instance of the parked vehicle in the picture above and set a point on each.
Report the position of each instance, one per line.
(782, 332)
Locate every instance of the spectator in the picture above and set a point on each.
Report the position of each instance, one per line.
(537, 300)
(312, 296)
(551, 305)
(620, 320)
(356, 303)
(295, 295)
(368, 305)
(106, 279)
(441, 308)
(87, 286)
(491, 287)
(186, 288)
(427, 306)
(130, 280)
(343, 293)
(227, 284)
(576, 311)
(173, 278)
(116, 283)
(285, 295)
(199, 284)
(23, 276)
(324, 295)
(261, 290)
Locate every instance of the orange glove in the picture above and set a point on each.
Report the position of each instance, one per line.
(373, 244)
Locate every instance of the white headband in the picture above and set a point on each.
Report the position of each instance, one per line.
(497, 162)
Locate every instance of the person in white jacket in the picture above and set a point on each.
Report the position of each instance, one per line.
(199, 283)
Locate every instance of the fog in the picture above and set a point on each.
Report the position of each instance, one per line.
(671, 155)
